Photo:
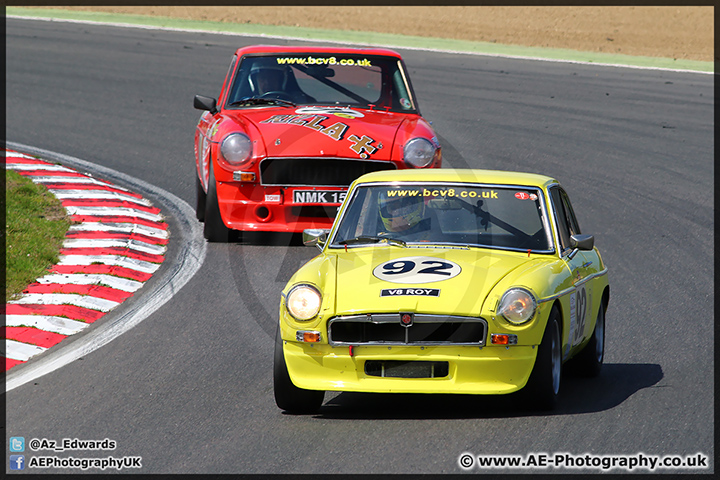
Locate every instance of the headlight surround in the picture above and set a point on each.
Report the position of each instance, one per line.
(303, 302)
(419, 152)
(236, 149)
(517, 306)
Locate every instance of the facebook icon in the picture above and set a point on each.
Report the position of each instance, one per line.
(17, 462)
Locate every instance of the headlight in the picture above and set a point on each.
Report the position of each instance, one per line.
(303, 302)
(517, 306)
(236, 149)
(419, 152)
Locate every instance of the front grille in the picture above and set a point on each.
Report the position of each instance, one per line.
(426, 330)
(412, 369)
(326, 172)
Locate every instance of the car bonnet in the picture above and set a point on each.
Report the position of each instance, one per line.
(436, 280)
(326, 132)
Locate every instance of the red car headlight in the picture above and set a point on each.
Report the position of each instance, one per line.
(236, 149)
(419, 152)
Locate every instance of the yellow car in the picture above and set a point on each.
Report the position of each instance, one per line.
(443, 281)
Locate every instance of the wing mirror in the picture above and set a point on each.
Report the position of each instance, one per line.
(315, 236)
(580, 242)
(205, 103)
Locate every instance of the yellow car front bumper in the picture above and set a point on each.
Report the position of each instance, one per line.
(470, 369)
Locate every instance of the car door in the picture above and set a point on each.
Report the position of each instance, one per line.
(580, 265)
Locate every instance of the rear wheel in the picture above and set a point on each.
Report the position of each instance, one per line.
(543, 387)
(588, 362)
(288, 397)
(215, 229)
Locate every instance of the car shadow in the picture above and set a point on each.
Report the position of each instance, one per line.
(616, 383)
(270, 239)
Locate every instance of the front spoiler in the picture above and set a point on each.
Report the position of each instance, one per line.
(472, 370)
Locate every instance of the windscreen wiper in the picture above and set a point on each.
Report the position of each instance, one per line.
(373, 239)
(262, 101)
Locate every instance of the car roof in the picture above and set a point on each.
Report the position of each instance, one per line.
(274, 49)
(496, 177)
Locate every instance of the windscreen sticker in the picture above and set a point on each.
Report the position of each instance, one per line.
(417, 270)
(345, 62)
(526, 196)
(442, 192)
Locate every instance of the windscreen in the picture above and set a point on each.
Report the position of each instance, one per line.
(372, 81)
(455, 214)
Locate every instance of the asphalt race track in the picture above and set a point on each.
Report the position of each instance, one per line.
(190, 388)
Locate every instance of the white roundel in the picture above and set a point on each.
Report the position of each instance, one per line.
(416, 270)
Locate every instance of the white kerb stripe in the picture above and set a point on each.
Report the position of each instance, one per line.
(120, 228)
(63, 326)
(98, 195)
(119, 242)
(84, 301)
(80, 180)
(20, 351)
(39, 166)
(118, 260)
(9, 154)
(118, 283)
(113, 211)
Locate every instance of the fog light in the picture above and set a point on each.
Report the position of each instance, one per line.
(307, 336)
(503, 339)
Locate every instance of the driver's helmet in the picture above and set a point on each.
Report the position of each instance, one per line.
(267, 76)
(400, 213)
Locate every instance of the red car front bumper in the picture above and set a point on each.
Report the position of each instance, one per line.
(252, 207)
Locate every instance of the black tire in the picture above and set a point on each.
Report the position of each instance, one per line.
(200, 200)
(288, 397)
(215, 229)
(589, 361)
(543, 387)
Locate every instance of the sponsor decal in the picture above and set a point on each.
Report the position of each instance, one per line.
(342, 112)
(398, 292)
(417, 270)
(443, 192)
(310, 60)
(311, 117)
(526, 196)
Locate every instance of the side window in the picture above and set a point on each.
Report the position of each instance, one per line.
(570, 214)
(562, 223)
(226, 84)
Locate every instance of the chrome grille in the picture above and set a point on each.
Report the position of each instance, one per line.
(386, 329)
(326, 172)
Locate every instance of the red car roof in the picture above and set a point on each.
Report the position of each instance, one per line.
(333, 50)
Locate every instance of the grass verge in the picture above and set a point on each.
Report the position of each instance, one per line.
(36, 223)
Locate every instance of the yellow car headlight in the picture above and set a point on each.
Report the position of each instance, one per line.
(303, 302)
(517, 306)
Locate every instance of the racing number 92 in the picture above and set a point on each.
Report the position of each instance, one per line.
(405, 266)
(416, 270)
(581, 313)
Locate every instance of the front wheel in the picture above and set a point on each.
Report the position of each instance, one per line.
(215, 229)
(288, 397)
(200, 200)
(543, 387)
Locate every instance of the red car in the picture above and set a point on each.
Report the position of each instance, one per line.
(293, 127)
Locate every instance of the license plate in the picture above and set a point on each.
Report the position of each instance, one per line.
(318, 196)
